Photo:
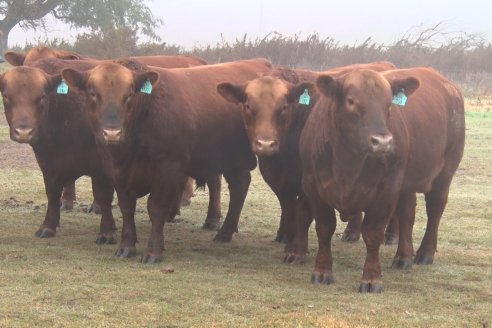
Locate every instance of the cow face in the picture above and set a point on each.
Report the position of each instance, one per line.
(110, 91)
(363, 100)
(267, 108)
(25, 93)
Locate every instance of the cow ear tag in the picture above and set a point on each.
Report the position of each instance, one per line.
(400, 98)
(146, 87)
(62, 88)
(304, 99)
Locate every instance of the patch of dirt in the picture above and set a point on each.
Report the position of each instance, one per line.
(17, 156)
(14, 155)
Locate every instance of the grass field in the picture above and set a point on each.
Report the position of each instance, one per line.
(69, 281)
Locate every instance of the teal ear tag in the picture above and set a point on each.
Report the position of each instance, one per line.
(304, 99)
(400, 98)
(62, 88)
(146, 87)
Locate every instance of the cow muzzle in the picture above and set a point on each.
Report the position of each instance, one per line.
(265, 147)
(112, 136)
(381, 143)
(22, 135)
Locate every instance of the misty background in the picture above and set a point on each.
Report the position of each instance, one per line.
(189, 23)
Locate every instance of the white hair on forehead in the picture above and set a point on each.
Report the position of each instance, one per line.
(266, 87)
(367, 79)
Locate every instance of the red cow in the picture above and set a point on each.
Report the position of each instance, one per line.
(361, 153)
(55, 127)
(274, 118)
(156, 127)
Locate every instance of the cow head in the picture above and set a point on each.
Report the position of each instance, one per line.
(111, 90)
(25, 93)
(362, 102)
(41, 52)
(267, 108)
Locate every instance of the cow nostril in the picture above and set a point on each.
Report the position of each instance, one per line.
(375, 140)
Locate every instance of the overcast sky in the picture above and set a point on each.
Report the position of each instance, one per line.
(197, 23)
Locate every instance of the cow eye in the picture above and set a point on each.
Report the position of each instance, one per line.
(93, 94)
(42, 100)
(248, 110)
(129, 97)
(350, 101)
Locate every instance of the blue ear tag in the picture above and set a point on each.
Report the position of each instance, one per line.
(62, 88)
(304, 99)
(400, 98)
(146, 87)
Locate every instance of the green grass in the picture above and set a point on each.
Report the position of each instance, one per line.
(71, 281)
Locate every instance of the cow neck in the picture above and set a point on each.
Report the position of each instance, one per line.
(55, 127)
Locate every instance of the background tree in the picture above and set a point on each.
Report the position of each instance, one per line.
(97, 15)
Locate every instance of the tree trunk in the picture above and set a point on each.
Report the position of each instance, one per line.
(4, 40)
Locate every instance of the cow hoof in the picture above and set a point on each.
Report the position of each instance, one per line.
(66, 206)
(151, 258)
(94, 208)
(292, 258)
(223, 238)
(214, 226)
(45, 233)
(404, 264)
(324, 278)
(350, 237)
(107, 238)
(390, 239)
(423, 259)
(367, 287)
(125, 252)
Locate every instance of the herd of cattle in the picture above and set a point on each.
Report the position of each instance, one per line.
(361, 139)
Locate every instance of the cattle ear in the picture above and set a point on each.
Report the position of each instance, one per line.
(231, 92)
(15, 58)
(142, 78)
(75, 79)
(410, 84)
(296, 91)
(53, 81)
(329, 86)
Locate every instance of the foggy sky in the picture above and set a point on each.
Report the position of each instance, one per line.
(191, 23)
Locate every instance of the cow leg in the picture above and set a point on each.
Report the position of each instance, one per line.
(161, 205)
(373, 235)
(127, 204)
(214, 213)
(238, 189)
(326, 222)
(103, 191)
(405, 212)
(95, 206)
(296, 250)
(68, 197)
(287, 228)
(53, 189)
(351, 234)
(435, 202)
(392, 231)
(188, 192)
